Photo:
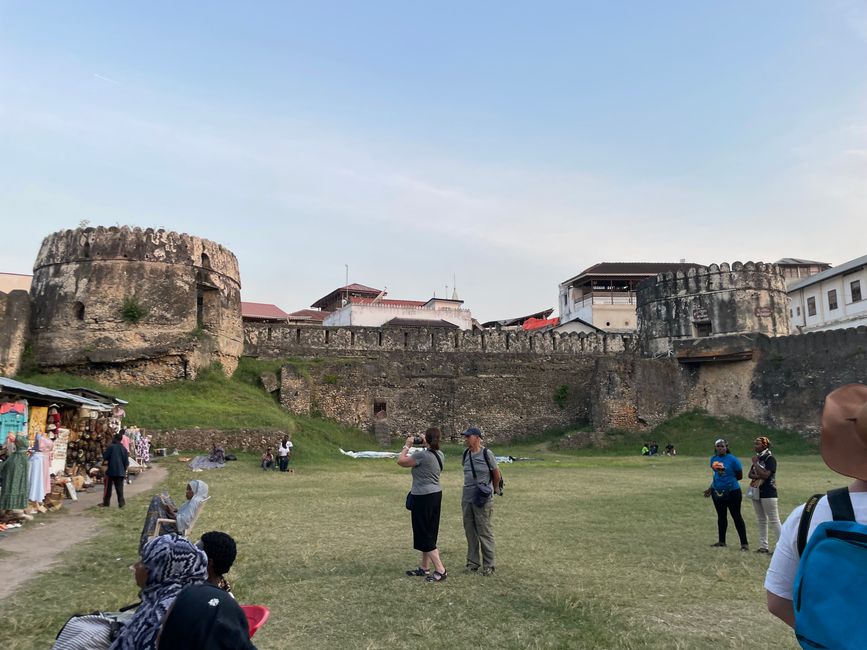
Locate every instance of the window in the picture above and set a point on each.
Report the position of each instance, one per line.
(811, 306)
(379, 410)
(832, 300)
(798, 308)
(703, 329)
(856, 290)
(78, 310)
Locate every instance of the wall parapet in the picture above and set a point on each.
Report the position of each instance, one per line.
(127, 244)
(278, 340)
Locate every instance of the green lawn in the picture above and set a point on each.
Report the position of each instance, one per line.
(601, 552)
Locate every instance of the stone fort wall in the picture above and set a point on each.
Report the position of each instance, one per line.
(520, 394)
(14, 326)
(718, 300)
(281, 340)
(135, 305)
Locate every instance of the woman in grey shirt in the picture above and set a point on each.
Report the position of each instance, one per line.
(426, 499)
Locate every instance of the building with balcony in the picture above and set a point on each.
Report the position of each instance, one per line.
(604, 294)
(833, 299)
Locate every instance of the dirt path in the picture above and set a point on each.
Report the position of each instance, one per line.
(59, 531)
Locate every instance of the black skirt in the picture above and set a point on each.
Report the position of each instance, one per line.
(426, 520)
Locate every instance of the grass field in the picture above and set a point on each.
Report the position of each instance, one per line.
(601, 552)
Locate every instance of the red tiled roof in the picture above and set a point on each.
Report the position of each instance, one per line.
(388, 301)
(418, 322)
(262, 310)
(309, 314)
(348, 289)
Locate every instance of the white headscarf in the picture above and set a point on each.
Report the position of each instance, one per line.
(189, 511)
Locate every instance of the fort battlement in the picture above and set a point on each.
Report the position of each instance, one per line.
(135, 305)
(125, 244)
(715, 300)
(279, 340)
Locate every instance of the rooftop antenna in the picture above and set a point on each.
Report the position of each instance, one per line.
(346, 286)
(454, 287)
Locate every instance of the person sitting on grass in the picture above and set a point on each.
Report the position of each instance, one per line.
(205, 617)
(221, 551)
(267, 459)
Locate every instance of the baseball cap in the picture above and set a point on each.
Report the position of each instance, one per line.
(472, 431)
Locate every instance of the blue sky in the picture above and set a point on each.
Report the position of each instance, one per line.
(510, 144)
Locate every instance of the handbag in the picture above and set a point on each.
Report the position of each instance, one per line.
(753, 491)
(409, 500)
(95, 631)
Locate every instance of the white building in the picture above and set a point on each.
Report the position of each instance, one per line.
(378, 312)
(832, 299)
(603, 296)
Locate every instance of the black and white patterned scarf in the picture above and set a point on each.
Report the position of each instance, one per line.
(172, 563)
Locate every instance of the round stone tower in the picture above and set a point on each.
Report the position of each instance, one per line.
(716, 300)
(133, 305)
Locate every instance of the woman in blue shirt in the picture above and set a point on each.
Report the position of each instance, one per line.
(726, 492)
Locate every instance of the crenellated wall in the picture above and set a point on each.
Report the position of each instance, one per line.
(14, 325)
(718, 300)
(127, 304)
(281, 340)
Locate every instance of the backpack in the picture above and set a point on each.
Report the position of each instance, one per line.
(485, 452)
(827, 598)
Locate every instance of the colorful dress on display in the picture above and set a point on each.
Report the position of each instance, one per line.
(46, 450)
(14, 475)
(36, 485)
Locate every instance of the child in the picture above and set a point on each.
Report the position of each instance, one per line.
(267, 460)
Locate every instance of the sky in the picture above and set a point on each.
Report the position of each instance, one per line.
(499, 146)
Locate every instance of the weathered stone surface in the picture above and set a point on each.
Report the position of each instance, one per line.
(507, 397)
(711, 301)
(253, 440)
(134, 305)
(270, 382)
(14, 325)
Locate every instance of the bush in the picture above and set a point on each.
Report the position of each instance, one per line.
(132, 310)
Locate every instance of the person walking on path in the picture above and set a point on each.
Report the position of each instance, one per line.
(117, 458)
(726, 492)
(763, 484)
(284, 453)
(480, 475)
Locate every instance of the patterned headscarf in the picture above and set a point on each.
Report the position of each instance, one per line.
(764, 442)
(172, 563)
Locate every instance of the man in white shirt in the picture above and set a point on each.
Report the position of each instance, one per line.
(844, 450)
(284, 453)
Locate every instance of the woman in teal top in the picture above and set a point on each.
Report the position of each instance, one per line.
(726, 492)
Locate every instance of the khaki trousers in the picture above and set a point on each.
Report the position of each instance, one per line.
(479, 529)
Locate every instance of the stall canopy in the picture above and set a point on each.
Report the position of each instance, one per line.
(18, 390)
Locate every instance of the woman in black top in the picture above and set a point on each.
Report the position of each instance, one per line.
(763, 474)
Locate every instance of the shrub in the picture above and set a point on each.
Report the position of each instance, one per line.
(132, 310)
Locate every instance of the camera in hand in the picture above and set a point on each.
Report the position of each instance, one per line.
(417, 440)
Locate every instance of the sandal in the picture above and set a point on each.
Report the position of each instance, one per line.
(436, 576)
(416, 572)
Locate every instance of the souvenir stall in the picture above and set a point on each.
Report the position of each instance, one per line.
(52, 445)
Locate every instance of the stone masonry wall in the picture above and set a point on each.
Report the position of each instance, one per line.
(507, 397)
(718, 300)
(14, 326)
(282, 340)
(186, 289)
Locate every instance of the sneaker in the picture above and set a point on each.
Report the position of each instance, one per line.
(745, 547)
(763, 550)
(471, 569)
(718, 545)
(488, 571)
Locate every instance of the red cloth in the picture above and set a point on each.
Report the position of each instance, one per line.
(17, 407)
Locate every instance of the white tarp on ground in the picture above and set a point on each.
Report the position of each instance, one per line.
(377, 454)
